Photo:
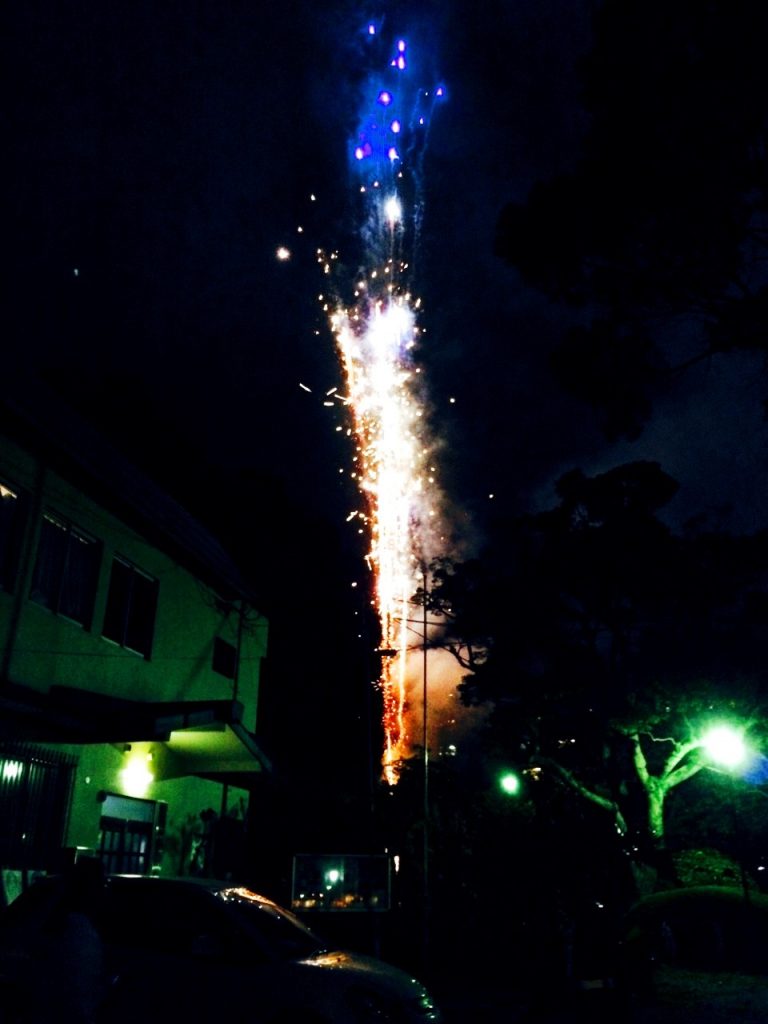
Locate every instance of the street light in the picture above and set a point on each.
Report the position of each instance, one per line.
(509, 783)
(725, 746)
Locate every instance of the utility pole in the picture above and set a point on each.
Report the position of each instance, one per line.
(425, 809)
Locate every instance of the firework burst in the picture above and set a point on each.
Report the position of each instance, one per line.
(377, 334)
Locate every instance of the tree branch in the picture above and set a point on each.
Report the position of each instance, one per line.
(638, 756)
(680, 752)
(589, 794)
(687, 771)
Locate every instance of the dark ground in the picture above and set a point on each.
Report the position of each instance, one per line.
(678, 996)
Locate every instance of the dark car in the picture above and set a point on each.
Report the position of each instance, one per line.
(710, 927)
(189, 950)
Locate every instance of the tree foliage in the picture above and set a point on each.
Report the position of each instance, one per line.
(605, 642)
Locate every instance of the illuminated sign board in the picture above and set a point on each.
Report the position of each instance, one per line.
(341, 882)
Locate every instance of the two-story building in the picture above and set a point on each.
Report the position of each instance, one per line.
(130, 653)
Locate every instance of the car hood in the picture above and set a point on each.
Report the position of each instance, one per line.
(358, 963)
(363, 968)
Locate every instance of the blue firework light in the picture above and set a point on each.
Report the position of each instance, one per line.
(387, 149)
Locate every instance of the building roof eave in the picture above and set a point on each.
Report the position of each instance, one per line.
(207, 737)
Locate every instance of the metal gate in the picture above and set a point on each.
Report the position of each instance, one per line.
(131, 833)
(35, 796)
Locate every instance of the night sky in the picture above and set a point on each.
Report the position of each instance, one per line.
(159, 153)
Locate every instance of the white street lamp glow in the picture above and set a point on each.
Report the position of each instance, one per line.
(725, 745)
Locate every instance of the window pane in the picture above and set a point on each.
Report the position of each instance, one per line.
(141, 616)
(78, 587)
(116, 614)
(11, 528)
(66, 570)
(129, 619)
(49, 567)
(224, 658)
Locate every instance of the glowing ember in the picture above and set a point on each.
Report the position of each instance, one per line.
(376, 336)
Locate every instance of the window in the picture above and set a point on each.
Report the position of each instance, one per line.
(66, 569)
(129, 619)
(11, 528)
(224, 658)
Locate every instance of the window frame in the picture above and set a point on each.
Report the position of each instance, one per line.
(59, 565)
(127, 615)
(12, 535)
(224, 659)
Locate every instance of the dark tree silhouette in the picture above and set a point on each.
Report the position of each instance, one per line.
(658, 234)
(605, 643)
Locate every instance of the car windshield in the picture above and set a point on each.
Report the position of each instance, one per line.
(275, 928)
